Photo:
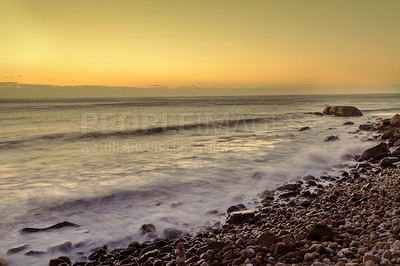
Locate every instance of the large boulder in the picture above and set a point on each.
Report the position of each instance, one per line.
(342, 111)
(395, 120)
(266, 239)
(371, 152)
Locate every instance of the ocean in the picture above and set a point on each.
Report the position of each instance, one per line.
(111, 165)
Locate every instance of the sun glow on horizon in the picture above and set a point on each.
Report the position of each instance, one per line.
(200, 43)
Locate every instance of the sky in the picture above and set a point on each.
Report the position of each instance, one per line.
(103, 48)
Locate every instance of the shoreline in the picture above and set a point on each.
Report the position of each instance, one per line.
(304, 222)
(350, 219)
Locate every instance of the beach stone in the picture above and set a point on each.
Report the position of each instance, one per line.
(365, 127)
(215, 246)
(304, 128)
(318, 231)
(395, 120)
(396, 133)
(371, 152)
(3, 262)
(370, 257)
(349, 123)
(289, 187)
(56, 226)
(35, 253)
(396, 245)
(342, 111)
(147, 228)
(172, 233)
(63, 247)
(239, 217)
(17, 249)
(385, 162)
(60, 260)
(235, 208)
(331, 138)
(281, 248)
(266, 239)
(395, 151)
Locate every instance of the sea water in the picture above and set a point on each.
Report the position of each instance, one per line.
(111, 165)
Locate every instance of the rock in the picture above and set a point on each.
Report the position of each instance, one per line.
(63, 247)
(174, 205)
(396, 144)
(385, 162)
(99, 253)
(313, 113)
(349, 123)
(17, 249)
(387, 134)
(266, 239)
(319, 231)
(365, 127)
(35, 253)
(371, 152)
(309, 257)
(215, 246)
(396, 133)
(289, 187)
(395, 120)
(56, 226)
(370, 257)
(172, 233)
(3, 262)
(342, 111)
(60, 260)
(396, 245)
(235, 208)
(282, 249)
(331, 138)
(145, 256)
(239, 217)
(395, 151)
(304, 128)
(147, 228)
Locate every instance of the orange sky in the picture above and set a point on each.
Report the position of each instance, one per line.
(207, 43)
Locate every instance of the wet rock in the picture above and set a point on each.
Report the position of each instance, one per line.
(172, 233)
(63, 247)
(304, 128)
(239, 217)
(385, 162)
(395, 120)
(147, 228)
(289, 187)
(396, 133)
(17, 249)
(349, 123)
(98, 254)
(3, 262)
(395, 151)
(35, 253)
(60, 260)
(342, 111)
(319, 231)
(56, 226)
(365, 127)
(257, 176)
(313, 113)
(266, 239)
(174, 205)
(331, 138)
(371, 152)
(235, 208)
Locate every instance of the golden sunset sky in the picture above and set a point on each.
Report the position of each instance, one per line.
(328, 45)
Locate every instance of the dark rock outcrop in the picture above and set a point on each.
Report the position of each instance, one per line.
(56, 226)
(395, 120)
(319, 231)
(60, 260)
(17, 249)
(342, 111)
(239, 217)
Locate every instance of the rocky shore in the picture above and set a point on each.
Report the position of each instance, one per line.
(348, 219)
